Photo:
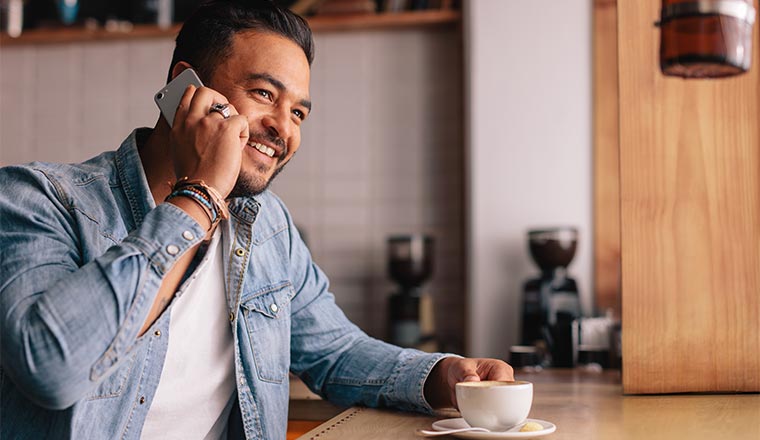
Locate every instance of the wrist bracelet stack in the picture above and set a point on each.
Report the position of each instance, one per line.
(205, 196)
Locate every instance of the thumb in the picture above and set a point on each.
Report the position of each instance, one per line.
(469, 371)
(469, 374)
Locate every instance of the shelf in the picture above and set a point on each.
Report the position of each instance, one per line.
(383, 21)
(317, 23)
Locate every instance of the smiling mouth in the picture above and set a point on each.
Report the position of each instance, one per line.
(269, 151)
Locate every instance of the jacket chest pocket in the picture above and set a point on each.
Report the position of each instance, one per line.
(113, 385)
(267, 318)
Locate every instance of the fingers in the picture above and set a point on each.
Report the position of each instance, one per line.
(205, 145)
(477, 369)
(202, 100)
(196, 103)
(468, 371)
(235, 122)
(501, 371)
(184, 104)
(240, 124)
(440, 388)
(462, 370)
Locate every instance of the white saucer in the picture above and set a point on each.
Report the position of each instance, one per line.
(447, 424)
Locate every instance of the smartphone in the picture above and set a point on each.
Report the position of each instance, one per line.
(167, 99)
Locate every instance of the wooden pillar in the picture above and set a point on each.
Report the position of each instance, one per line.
(606, 159)
(690, 220)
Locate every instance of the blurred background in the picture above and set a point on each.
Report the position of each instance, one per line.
(466, 123)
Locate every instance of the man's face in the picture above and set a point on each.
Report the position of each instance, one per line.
(266, 78)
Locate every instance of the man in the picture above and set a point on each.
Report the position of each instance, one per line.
(135, 309)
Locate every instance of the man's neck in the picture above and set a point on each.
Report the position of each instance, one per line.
(157, 162)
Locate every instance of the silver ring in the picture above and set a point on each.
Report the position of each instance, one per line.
(222, 109)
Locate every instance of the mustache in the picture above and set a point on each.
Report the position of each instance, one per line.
(266, 137)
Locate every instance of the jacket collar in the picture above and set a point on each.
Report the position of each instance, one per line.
(132, 175)
(244, 209)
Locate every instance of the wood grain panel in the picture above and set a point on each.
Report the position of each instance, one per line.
(690, 220)
(606, 159)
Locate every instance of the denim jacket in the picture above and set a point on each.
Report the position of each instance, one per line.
(83, 250)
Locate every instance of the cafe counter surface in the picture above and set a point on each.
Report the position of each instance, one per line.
(584, 405)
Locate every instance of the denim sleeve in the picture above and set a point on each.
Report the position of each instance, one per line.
(67, 323)
(340, 362)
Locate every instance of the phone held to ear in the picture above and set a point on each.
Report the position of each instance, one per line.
(167, 99)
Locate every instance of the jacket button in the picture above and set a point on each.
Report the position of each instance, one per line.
(142, 400)
(273, 308)
(239, 252)
(187, 235)
(172, 249)
(157, 333)
(232, 316)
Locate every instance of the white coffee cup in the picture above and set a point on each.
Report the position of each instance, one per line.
(494, 405)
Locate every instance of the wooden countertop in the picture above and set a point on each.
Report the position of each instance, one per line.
(583, 405)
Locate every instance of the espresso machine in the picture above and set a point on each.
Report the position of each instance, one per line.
(410, 308)
(551, 301)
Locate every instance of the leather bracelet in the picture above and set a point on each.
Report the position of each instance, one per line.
(219, 205)
(212, 218)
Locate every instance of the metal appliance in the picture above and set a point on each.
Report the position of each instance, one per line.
(551, 301)
(410, 309)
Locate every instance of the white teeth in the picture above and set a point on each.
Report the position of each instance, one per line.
(269, 151)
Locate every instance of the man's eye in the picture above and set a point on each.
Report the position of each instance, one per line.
(299, 114)
(263, 93)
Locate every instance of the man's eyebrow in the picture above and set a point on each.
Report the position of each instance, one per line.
(276, 83)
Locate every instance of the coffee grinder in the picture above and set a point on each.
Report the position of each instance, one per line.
(410, 310)
(551, 302)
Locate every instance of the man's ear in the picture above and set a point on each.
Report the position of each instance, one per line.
(179, 68)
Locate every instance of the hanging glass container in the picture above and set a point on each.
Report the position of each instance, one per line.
(706, 38)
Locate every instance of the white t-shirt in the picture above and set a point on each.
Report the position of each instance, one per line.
(197, 387)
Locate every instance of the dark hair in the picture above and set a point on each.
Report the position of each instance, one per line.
(206, 36)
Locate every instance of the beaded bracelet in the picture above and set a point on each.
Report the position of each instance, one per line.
(204, 204)
(197, 196)
(206, 196)
(198, 193)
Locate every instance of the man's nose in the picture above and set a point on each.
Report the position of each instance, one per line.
(278, 124)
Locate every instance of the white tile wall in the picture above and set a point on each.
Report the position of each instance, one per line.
(381, 153)
(68, 102)
(529, 153)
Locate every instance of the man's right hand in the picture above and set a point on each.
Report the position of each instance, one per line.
(203, 144)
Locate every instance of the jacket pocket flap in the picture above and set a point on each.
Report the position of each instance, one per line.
(269, 301)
